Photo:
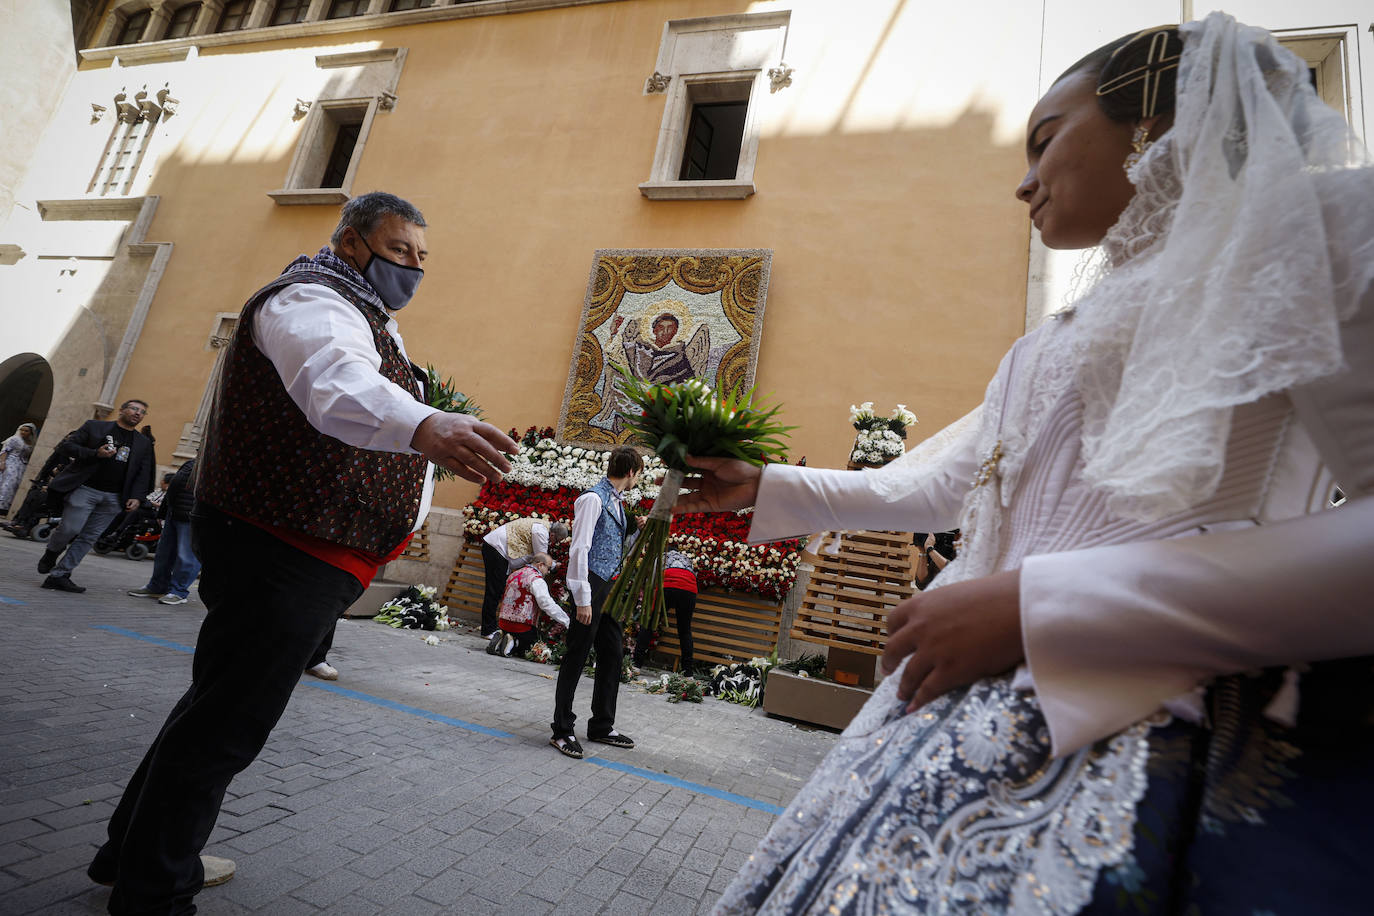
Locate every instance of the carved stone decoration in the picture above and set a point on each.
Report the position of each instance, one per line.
(127, 111)
(148, 109)
(301, 109)
(386, 101)
(96, 112)
(656, 83)
(780, 77)
(165, 100)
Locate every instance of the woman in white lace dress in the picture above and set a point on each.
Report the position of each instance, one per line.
(1145, 684)
(14, 460)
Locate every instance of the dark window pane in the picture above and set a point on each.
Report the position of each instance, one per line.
(182, 20)
(342, 9)
(235, 15)
(289, 11)
(340, 156)
(1312, 75)
(714, 136)
(398, 6)
(133, 28)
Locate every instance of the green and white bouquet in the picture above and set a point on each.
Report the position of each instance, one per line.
(880, 439)
(414, 609)
(686, 418)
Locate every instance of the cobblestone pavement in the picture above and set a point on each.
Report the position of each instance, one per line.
(420, 782)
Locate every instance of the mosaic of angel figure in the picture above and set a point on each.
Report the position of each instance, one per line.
(661, 356)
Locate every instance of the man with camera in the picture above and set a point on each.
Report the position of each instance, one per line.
(112, 469)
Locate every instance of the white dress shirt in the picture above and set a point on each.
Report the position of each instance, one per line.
(539, 540)
(540, 590)
(324, 352)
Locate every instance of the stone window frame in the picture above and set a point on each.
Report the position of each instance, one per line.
(1329, 51)
(707, 72)
(314, 148)
(370, 88)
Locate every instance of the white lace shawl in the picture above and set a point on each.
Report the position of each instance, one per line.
(1257, 210)
(1250, 237)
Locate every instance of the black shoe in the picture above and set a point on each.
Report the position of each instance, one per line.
(494, 646)
(62, 584)
(614, 739)
(568, 746)
(48, 561)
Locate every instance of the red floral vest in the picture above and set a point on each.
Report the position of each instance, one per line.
(518, 604)
(263, 461)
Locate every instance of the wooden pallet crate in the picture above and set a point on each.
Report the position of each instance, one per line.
(468, 581)
(727, 627)
(851, 591)
(418, 548)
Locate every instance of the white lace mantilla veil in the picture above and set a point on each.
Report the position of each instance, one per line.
(1251, 236)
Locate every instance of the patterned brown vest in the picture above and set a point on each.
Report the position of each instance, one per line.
(262, 460)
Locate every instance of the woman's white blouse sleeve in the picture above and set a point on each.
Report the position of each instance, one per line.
(797, 501)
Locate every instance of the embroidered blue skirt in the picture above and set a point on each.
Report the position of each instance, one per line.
(958, 808)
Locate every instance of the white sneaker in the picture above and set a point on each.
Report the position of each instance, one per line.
(324, 671)
(490, 636)
(172, 599)
(143, 593)
(217, 870)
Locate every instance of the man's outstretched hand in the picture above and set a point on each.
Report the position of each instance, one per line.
(465, 445)
(719, 485)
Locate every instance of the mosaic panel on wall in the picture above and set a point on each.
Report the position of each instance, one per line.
(667, 315)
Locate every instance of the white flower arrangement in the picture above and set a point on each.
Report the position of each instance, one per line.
(548, 465)
(880, 439)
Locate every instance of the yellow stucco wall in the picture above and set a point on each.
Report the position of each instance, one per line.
(899, 265)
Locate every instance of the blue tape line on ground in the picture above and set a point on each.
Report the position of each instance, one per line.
(334, 688)
(483, 730)
(684, 784)
(133, 634)
(413, 710)
(14, 601)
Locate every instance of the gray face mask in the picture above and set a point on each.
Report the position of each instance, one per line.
(395, 283)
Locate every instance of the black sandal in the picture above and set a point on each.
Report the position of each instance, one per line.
(614, 739)
(568, 746)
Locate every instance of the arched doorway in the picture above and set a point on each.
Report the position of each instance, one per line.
(25, 391)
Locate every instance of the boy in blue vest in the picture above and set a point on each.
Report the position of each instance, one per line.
(600, 526)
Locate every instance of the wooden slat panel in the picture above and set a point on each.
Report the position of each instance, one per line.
(467, 583)
(418, 548)
(851, 591)
(726, 628)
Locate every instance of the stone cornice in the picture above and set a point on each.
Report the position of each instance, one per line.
(176, 48)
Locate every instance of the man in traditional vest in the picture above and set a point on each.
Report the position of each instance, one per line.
(314, 473)
(506, 549)
(598, 537)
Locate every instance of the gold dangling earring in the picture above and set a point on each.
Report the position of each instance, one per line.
(1140, 142)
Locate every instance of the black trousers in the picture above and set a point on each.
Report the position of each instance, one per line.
(496, 568)
(269, 607)
(603, 634)
(321, 653)
(682, 603)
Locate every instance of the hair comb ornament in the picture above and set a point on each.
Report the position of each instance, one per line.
(1162, 48)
